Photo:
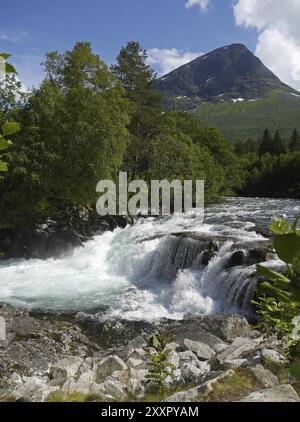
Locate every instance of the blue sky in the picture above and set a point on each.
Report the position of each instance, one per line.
(171, 31)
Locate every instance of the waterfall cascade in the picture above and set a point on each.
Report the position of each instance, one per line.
(171, 274)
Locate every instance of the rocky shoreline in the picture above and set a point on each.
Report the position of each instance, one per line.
(215, 358)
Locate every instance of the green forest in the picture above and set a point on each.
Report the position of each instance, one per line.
(87, 121)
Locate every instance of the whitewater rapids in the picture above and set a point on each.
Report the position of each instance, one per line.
(127, 273)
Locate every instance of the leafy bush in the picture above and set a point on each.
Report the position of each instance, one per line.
(160, 367)
(278, 302)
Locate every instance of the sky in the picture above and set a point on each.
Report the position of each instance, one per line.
(172, 31)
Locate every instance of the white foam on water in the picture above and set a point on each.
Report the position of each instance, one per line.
(127, 273)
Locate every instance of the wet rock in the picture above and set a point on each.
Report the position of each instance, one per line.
(236, 259)
(280, 393)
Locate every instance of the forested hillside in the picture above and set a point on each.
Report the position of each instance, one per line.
(86, 122)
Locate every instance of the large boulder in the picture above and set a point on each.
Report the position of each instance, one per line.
(107, 366)
(203, 351)
(279, 393)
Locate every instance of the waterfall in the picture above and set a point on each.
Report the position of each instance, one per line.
(158, 268)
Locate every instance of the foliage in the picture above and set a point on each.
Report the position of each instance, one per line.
(278, 300)
(87, 122)
(286, 245)
(248, 119)
(160, 367)
(8, 128)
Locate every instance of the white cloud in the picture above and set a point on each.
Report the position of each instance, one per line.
(13, 36)
(30, 71)
(166, 60)
(202, 4)
(277, 23)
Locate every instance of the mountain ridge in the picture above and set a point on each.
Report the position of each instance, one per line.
(227, 75)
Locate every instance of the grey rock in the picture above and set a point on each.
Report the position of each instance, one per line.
(193, 373)
(240, 347)
(107, 366)
(115, 389)
(264, 376)
(234, 363)
(203, 351)
(67, 367)
(281, 393)
(187, 356)
(272, 357)
(227, 327)
(208, 386)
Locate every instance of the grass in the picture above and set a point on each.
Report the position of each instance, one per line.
(60, 396)
(249, 119)
(232, 388)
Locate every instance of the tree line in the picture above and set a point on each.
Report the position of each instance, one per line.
(86, 122)
(271, 165)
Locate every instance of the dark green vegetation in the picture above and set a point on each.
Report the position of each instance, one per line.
(272, 165)
(86, 123)
(233, 91)
(247, 119)
(278, 294)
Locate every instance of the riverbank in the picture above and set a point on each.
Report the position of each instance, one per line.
(214, 358)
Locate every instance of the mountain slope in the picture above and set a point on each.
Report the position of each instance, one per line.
(233, 90)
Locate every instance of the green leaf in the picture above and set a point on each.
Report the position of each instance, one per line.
(5, 56)
(9, 68)
(275, 291)
(4, 144)
(271, 274)
(3, 166)
(10, 128)
(280, 227)
(287, 248)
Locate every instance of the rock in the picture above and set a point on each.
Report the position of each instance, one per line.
(34, 343)
(264, 376)
(135, 388)
(85, 383)
(67, 367)
(240, 347)
(194, 329)
(132, 363)
(172, 347)
(174, 359)
(175, 380)
(234, 363)
(236, 259)
(137, 354)
(192, 394)
(187, 356)
(227, 327)
(186, 396)
(279, 393)
(115, 389)
(107, 366)
(272, 358)
(203, 351)
(192, 373)
(208, 386)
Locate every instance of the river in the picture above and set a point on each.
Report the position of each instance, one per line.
(148, 271)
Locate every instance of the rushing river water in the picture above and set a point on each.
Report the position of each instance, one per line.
(142, 272)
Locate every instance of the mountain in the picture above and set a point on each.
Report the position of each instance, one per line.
(232, 89)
